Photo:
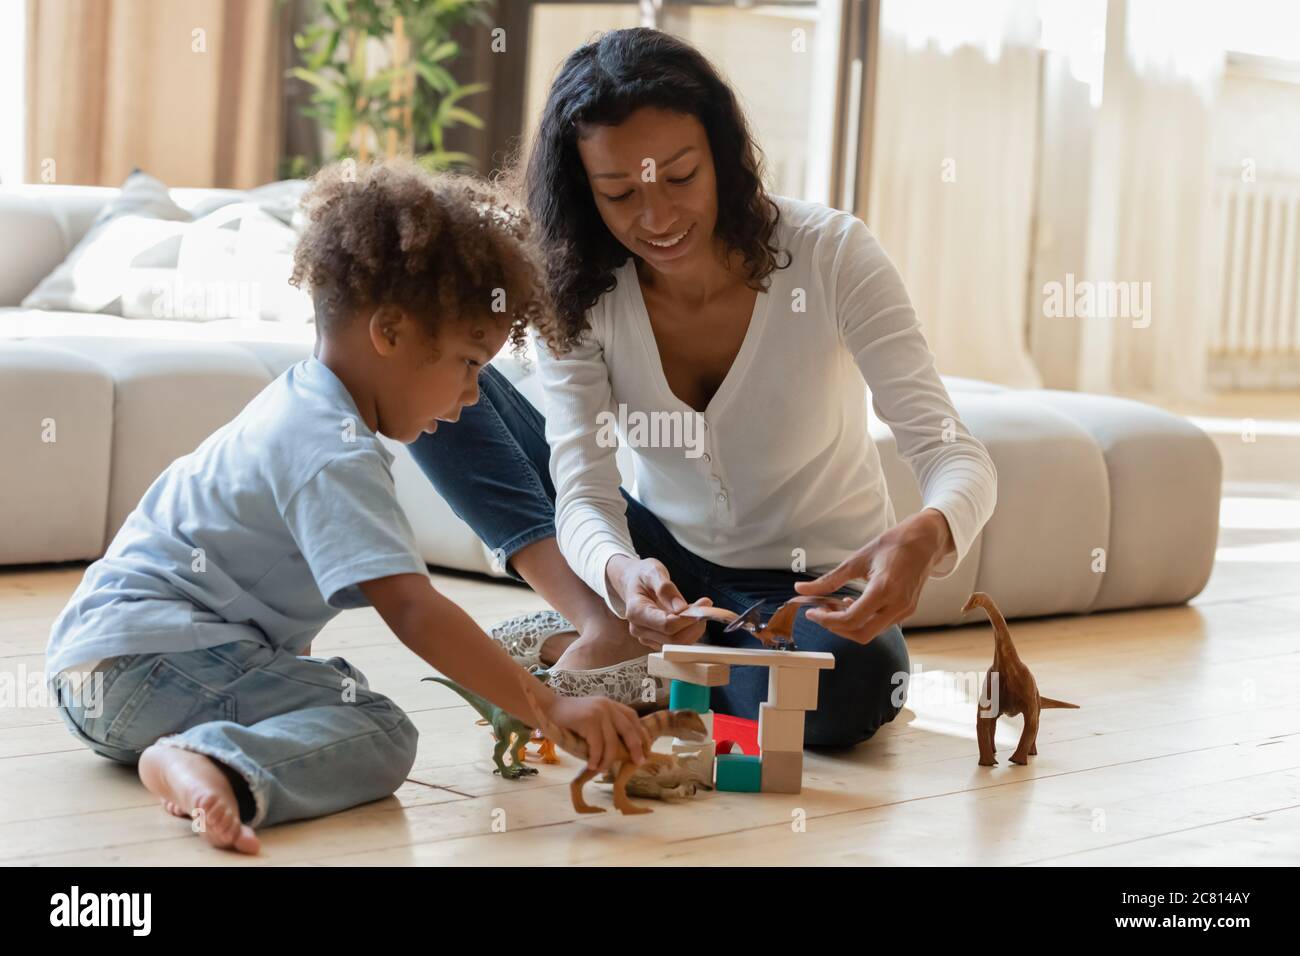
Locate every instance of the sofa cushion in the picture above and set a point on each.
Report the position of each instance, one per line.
(167, 398)
(56, 433)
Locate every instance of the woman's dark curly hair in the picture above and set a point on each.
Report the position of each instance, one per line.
(439, 246)
(602, 83)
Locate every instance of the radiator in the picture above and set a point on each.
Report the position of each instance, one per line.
(1256, 341)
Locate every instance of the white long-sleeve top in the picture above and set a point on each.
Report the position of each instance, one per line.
(782, 458)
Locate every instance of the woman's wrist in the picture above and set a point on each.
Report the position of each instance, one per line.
(939, 531)
(615, 568)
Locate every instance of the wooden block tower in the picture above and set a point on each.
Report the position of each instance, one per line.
(791, 691)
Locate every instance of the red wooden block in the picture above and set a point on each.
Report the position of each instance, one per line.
(737, 730)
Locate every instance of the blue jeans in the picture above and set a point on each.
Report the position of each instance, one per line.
(299, 737)
(492, 468)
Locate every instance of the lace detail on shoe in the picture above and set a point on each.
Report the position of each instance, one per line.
(522, 636)
(623, 682)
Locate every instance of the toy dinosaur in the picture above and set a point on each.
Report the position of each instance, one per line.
(778, 632)
(678, 775)
(545, 748)
(511, 733)
(1017, 691)
(686, 724)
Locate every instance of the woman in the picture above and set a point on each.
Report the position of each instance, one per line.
(683, 290)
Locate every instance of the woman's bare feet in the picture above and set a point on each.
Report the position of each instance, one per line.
(602, 643)
(183, 778)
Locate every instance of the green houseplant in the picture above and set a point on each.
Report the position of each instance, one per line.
(381, 79)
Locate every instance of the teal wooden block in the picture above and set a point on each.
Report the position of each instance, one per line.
(683, 695)
(738, 773)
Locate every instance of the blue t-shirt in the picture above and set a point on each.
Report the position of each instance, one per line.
(262, 533)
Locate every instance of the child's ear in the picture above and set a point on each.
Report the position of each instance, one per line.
(387, 326)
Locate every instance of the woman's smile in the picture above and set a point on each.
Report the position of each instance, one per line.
(670, 246)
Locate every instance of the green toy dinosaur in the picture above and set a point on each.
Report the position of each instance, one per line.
(511, 733)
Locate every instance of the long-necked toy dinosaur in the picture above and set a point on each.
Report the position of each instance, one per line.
(1013, 691)
(686, 724)
(511, 733)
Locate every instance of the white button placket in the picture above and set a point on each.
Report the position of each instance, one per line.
(721, 500)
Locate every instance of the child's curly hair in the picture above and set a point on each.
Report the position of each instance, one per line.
(437, 245)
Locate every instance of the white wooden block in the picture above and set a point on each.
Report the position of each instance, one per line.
(790, 688)
(708, 751)
(747, 656)
(780, 729)
(704, 674)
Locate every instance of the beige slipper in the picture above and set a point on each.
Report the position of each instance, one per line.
(522, 636)
(628, 682)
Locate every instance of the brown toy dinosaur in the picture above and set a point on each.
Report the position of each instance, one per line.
(778, 632)
(667, 776)
(686, 724)
(545, 748)
(1017, 691)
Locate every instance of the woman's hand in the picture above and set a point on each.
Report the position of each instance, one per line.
(895, 565)
(602, 723)
(652, 602)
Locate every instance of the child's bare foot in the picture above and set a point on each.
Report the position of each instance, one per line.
(182, 778)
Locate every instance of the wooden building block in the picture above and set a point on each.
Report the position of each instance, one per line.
(704, 674)
(728, 730)
(780, 729)
(738, 773)
(683, 695)
(782, 771)
(746, 656)
(706, 749)
(791, 688)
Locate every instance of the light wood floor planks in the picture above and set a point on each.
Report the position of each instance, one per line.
(1186, 750)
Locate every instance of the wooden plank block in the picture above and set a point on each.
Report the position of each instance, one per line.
(790, 688)
(747, 656)
(780, 729)
(782, 771)
(706, 675)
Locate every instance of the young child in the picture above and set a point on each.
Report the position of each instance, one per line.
(179, 651)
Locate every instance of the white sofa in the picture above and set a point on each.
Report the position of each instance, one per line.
(1083, 479)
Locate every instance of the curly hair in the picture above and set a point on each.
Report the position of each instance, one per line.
(437, 245)
(603, 83)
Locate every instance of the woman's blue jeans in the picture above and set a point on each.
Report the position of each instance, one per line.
(492, 468)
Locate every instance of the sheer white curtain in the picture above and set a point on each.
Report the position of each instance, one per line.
(1151, 218)
(951, 185)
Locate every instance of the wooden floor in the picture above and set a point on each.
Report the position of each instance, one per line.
(1186, 749)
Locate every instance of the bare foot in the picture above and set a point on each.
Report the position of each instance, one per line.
(181, 779)
(600, 646)
(553, 647)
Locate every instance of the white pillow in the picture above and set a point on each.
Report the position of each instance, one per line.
(138, 229)
(233, 263)
(143, 258)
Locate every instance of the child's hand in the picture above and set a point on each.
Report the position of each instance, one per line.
(602, 722)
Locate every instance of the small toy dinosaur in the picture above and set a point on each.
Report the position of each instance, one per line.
(545, 748)
(686, 724)
(778, 633)
(511, 733)
(678, 775)
(1017, 691)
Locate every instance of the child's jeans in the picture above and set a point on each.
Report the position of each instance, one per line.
(306, 734)
(492, 468)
